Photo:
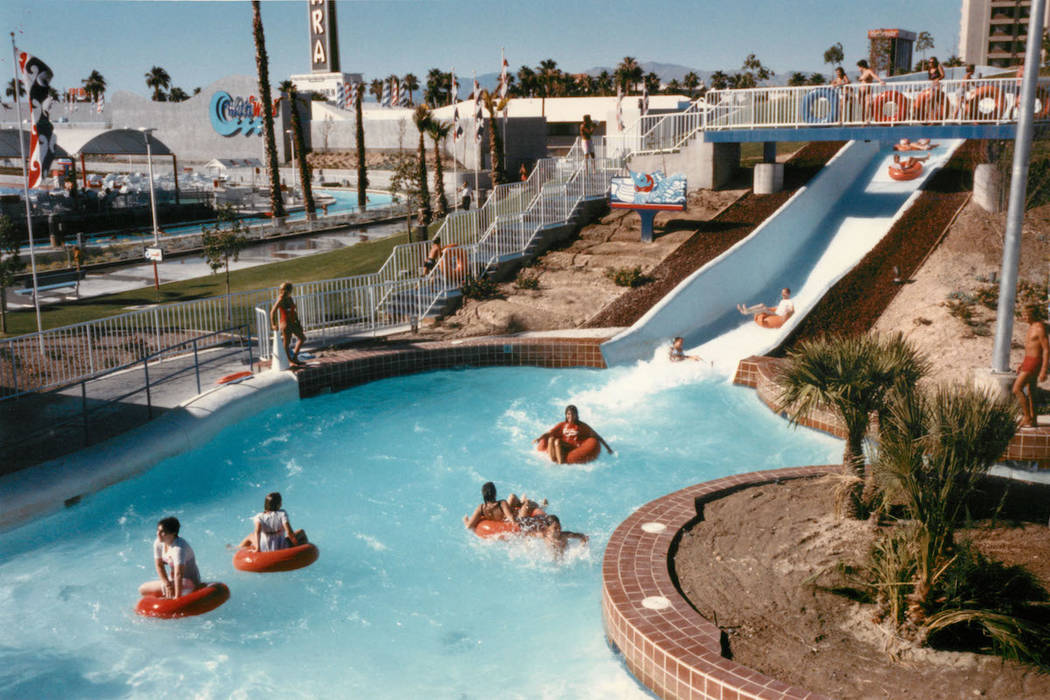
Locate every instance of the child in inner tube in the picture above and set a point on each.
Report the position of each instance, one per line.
(568, 435)
(273, 529)
(170, 550)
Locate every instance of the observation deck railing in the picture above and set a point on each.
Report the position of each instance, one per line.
(657, 133)
(979, 101)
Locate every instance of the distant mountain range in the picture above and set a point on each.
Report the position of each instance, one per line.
(666, 71)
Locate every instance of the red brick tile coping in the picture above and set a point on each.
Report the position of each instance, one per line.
(340, 369)
(1028, 445)
(666, 644)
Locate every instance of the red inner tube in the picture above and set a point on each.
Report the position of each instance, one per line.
(586, 451)
(234, 377)
(204, 599)
(980, 95)
(498, 529)
(288, 559)
(889, 107)
(908, 173)
(930, 106)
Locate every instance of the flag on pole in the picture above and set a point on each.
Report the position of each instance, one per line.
(503, 86)
(645, 98)
(36, 77)
(453, 87)
(619, 107)
(41, 150)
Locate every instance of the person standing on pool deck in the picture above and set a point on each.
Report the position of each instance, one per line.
(464, 197)
(171, 550)
(769, 317)
(587, 137)
(1033, 368)
(273, 530)
(563, 437)
(285, 318)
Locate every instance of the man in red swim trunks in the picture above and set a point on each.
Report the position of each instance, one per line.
(1033, 368)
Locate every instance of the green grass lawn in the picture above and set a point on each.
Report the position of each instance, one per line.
(358, 259)
(751, 153)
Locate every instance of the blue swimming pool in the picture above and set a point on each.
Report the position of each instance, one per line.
(403, 601)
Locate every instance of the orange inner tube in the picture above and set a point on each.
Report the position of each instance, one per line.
(889, 107)
(234, 377)
(453, 260)
(288, 559)
(770, 320)
(586, 451)
(203, 599)
(499, 529)
(906, 173)
(930, 106)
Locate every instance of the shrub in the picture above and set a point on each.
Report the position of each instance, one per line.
(628, 276)
(527, 281)
(480, 288)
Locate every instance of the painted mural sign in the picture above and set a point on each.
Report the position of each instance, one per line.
(232, 115)
(324, 43)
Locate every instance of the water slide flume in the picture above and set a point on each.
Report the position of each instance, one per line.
(808, 245)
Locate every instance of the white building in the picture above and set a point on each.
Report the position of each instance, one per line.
(326, 84)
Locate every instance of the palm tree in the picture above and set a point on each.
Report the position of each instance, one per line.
(691, 80)
(494, 106)
(439, 87)
(628, 74)
(817, 79)
(438, 131)
(362, 170)
(94, 85)
(652, 82)
(853, 378)
(158, 79)
(546, 78)
(262, 67)
(412, 83)
(604, 83)
(526, 82)
(422, 118)
(719, 80)
(797, 79)
(177, 94)
(674, 87)
(288, 90)
(376, 89)
(13, 85)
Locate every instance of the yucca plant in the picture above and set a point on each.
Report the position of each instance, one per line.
(438, 131)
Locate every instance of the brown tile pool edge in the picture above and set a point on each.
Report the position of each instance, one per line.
(666, 644)
(341, 369)
(1031, 445)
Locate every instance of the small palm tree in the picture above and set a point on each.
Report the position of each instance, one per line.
(177, 94)
(287, 88)
(94, 85)
(422, 118)
(628, 74)
(851, 377)
(547, 78)
(376, 89)
(691, 80)
(157, 79)
(494, 106)
(438, 130)
(362, 170)
(262, 67)
(412, 84)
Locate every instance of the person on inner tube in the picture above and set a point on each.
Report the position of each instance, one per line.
(568, 435)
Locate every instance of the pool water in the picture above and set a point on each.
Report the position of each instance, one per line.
(403, 602)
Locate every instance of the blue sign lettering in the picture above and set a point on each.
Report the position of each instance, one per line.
(230, 115)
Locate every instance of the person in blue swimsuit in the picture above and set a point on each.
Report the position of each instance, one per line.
(677, 354)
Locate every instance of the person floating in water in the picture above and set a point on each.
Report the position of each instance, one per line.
(549, 528)
(562, 438)
(273, 530)
(907, 163)
(771, 317)
(677, 354)
(170, 550)
(1034, 366)
(285, 318)
(492, 508)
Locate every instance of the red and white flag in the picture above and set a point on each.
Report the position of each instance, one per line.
(477, 110)
(41, 150)
(645, 98)
(36, 77)
(503, 86)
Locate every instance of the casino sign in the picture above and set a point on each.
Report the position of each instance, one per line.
(230, 115)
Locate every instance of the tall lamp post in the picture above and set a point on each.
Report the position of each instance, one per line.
(147, 132)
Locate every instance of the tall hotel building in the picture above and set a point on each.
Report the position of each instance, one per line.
(993, 32)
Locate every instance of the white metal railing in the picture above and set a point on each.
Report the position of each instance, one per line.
(984, 101)
(657, 133)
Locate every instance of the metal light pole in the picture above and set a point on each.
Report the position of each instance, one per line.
(1018, 183)
(146, 132)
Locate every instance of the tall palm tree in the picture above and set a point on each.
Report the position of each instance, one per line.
(262, 67)
(628, 74)
(604, 83)
(691, 80)
(719, 80)
(526, 82)
(94, 85)
(422, 118)
(494, 106)
(438, 130)
(376, 89)
(652, 82)
(547, 77)
(854, 378)
(158, 80)
(412, 83)
(289, 92)
(362, 170)
(439, 87)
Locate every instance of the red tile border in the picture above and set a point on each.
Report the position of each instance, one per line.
(1029, 445)
(668, 646)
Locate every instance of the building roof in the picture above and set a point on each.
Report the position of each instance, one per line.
(9, 145)
(130, 142)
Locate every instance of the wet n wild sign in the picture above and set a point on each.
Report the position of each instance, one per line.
(324, 42)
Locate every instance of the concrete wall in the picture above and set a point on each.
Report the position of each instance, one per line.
(706, 165)
(767, 254)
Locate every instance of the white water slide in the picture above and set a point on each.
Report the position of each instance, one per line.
(808, 245)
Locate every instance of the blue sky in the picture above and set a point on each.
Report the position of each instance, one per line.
(198, 42)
